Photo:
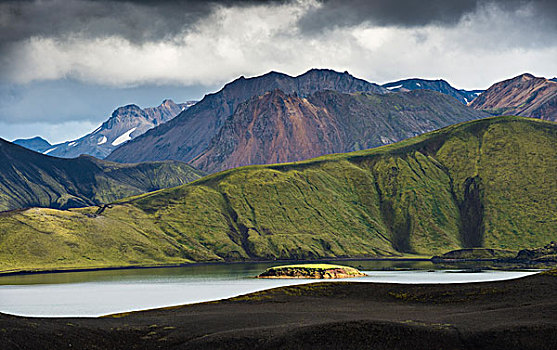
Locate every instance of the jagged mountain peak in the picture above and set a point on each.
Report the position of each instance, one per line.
(525, 76)
(125, 123)
(168, 103)
(203, 121)
(304, 84)
(521, 78)
(524, 95)
(277, 127)
(123, 109)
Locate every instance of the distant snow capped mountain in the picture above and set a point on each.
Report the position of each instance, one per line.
(464, 96)
(37, 144)
(124, 124)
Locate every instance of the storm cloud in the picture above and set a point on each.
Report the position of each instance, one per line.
(137, 21)
(182, 48)
(147, 20)
(411, 13)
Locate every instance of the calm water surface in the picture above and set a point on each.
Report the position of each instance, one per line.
(98, 293)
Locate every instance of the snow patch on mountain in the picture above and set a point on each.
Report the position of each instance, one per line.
(123, 138)
(50, 150)
(102, 140)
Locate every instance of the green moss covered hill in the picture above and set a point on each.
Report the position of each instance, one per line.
(28, 178)
(486, 183)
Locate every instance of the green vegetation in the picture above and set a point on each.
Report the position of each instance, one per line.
(30, 179)
(487, 183)
(311, 266)
(311, 271)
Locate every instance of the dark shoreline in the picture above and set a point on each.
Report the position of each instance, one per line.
(449, 263)
(511, 314)
(140, 267)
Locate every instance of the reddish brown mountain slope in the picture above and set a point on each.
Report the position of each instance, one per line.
(277, 128)
(525, 95)
(188, 135)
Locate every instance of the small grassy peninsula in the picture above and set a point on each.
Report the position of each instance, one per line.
(318, 271)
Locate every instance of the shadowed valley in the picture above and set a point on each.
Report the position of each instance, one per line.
(30, 179)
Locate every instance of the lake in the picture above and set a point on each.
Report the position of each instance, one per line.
(96, 293)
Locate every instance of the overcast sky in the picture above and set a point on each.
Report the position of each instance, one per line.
(66, 64)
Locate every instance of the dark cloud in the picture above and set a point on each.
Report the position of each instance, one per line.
(154, 20)
(137, 21)
(413, 13)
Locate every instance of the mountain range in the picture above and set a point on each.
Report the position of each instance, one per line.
(485, 183)
(28, 178)
(279, 118)
(124, 124)
(524, 95)
(277, 128)
(464, 96)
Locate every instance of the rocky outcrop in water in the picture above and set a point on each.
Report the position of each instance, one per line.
(317, 271)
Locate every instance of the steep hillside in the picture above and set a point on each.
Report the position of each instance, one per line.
(189, 134)
(524, 95)
(37, 144)
(464, 96)
(278, 128)
(486, 183)
(30, 179)
(124, 124)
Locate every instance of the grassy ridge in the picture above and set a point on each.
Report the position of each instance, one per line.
(487, 183)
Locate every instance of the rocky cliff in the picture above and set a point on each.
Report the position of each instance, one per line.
(278, 128)
(524, 95)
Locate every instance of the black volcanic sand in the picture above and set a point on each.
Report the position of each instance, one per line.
(515, 314)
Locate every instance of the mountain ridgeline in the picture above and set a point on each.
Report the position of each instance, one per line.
(524, 95)
(277, 128)
(30, 179)
(124, 124)
(464, 96)
(37, 144)
(485, 183)
(305, 113)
